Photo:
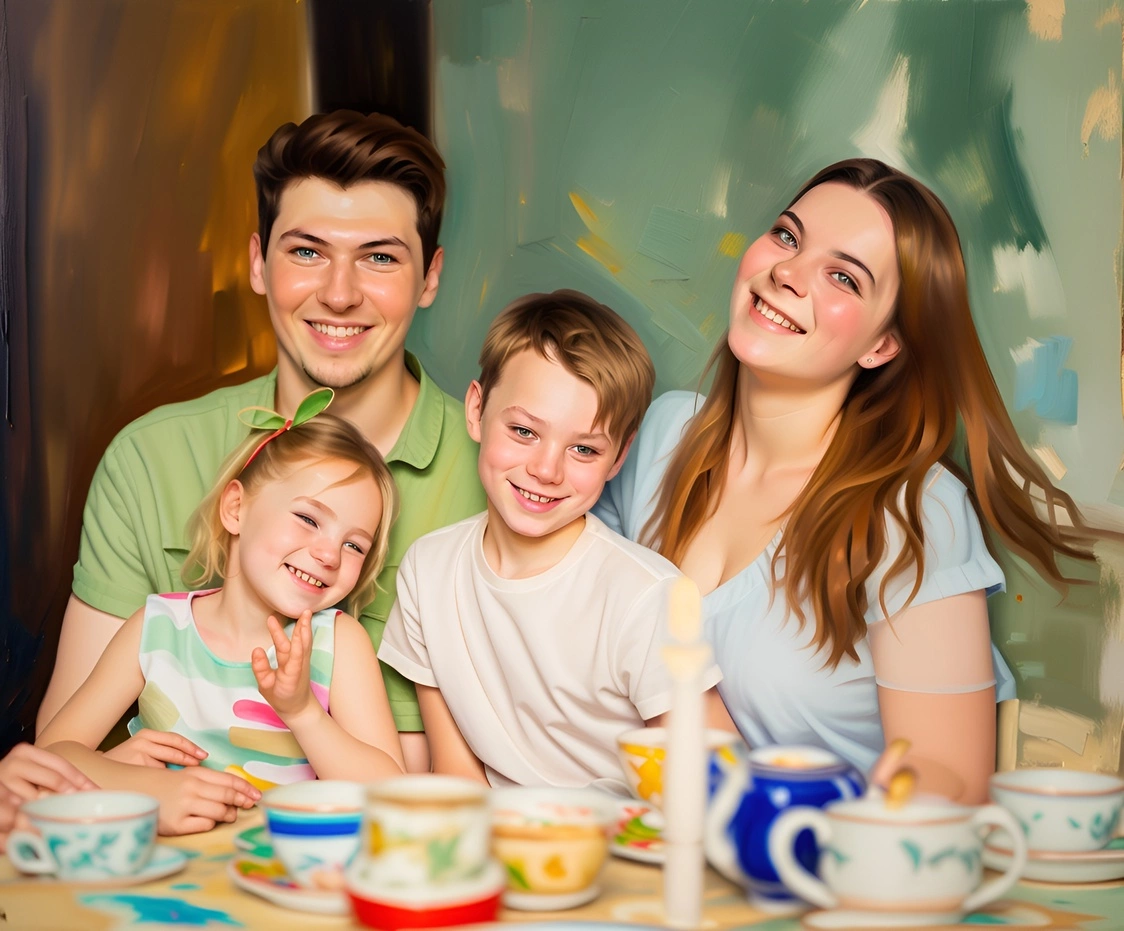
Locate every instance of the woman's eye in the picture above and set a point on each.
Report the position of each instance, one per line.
(785, 236)
(844, 279)
(303, 252)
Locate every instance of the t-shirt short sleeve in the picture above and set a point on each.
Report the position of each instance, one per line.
(403, 641)
(937, 652)
(110, 574)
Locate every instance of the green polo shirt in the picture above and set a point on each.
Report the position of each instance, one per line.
(157, 470)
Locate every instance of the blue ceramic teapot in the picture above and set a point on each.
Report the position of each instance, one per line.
(762, 784)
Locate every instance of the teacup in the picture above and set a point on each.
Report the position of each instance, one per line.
(768, 781)
(553, 843)
(920, 859)
(642, 752)
(314, 829)
(1061, 810)
(86, 836)
(424, 830)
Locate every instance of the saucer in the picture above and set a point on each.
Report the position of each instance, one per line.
(165, 861)
(636, 833)
(1087, 866)
(530, 902)
(255, 841)
(848, 918)
(268, 879)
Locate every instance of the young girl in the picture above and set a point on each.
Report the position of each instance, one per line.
(296, 524)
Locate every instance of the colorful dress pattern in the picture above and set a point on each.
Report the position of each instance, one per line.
(216, 703)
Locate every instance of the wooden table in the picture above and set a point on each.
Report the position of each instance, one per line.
(201, 896)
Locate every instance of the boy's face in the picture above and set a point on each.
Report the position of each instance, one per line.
(342, 275)
(543, 461)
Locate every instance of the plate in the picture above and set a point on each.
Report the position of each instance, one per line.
(845, 918)
(255, 841)
(530, 902)
(269, 880)
(165, 861)
(1087, 866)
(637, 833)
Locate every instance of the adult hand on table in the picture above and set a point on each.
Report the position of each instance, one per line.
(157, 748)
(196, 799)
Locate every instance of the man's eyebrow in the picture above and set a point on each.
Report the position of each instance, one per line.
(301, 234)
(386, 241)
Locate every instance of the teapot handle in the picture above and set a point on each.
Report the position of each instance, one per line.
(995, 816)
(720, 849)
(782, 843)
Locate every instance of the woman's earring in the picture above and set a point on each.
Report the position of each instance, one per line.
(870, 360)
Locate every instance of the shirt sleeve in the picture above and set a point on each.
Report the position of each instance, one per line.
(937, 651)
(110, 574)
(640, 665)
(403, 641)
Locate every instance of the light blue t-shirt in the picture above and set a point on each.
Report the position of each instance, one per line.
(775, 684)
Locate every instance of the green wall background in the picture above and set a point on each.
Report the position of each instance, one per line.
(632, 148)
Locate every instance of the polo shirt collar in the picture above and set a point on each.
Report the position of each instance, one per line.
(417, 443)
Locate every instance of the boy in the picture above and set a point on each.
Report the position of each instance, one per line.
(532, 631)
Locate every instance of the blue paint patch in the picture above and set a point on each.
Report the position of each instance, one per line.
(1042, 380)
(979, 918)
(149, 910)
(185, 887)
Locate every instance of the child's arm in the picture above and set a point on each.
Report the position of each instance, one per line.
(448, 749)
(190, 800)
(358, 740)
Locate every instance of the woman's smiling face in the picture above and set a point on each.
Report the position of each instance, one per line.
(814, 296)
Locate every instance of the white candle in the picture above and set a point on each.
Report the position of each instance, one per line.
(684, 788)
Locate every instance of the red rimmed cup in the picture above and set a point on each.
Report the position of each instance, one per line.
(86, 836)
(438, 905)
(1061, 810)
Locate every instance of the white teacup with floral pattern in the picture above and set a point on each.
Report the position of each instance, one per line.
(1061, 810)
(920, 859)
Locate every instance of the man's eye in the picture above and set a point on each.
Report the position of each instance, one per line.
(381, 258)
(303, 252)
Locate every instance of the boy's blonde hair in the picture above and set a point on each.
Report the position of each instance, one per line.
(589, 340)
(322, 437)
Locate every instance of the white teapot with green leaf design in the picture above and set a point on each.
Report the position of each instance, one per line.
(921, 859)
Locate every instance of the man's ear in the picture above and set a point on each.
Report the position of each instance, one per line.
(257, 265)
(888, 346)
(474, 409)
(231, 501)
(432, 278)
(620, 458)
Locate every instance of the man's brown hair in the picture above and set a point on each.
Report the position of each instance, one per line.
(347, 147)
(589, 340)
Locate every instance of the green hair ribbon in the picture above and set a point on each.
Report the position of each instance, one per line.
(262, 418)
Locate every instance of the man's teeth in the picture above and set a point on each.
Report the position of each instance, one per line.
(338, 332)
(539, 498)
(766, 311)
(305, 576)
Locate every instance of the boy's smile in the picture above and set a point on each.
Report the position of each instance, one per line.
(543, 460)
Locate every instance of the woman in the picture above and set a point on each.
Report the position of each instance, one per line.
(812, 495)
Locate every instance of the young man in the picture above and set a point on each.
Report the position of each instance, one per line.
(532, 631)
(349, 210)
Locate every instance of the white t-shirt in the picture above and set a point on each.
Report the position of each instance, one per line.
(540, 674)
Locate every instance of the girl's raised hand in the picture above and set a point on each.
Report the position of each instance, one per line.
(287, 688)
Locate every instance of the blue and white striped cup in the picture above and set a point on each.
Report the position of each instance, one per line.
(314, 829)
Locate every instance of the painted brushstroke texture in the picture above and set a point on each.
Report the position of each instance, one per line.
(1102, 112)
(1044, 17)
(1042, 380)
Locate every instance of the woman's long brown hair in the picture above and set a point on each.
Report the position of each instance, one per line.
(897, 422)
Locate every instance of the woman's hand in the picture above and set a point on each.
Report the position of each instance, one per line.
(29, 772)
(195, 800)
(287, 688)
(157, 748)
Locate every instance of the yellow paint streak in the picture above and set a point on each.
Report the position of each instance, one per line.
(706, 328)
(589, 218)
(1111, 15)
(483, 291)
(732, 244)
(600, 251)
(1044, 17)
(1102, 112)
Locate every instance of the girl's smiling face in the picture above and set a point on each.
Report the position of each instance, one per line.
(300, 542)
(815, 295)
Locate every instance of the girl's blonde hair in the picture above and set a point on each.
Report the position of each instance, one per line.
(322, 437)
